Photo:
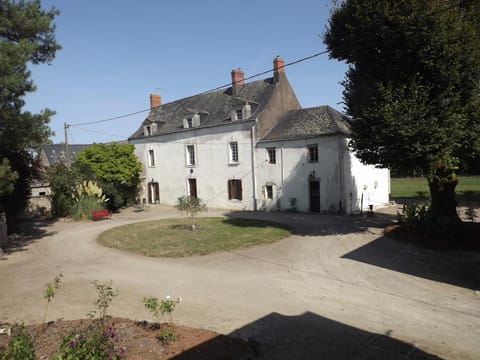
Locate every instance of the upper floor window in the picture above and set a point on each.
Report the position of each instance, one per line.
(272, 155)
(190, 155)
(148, 130)
(151, 158)
(234, 189)
(313, 153)
(233, 152)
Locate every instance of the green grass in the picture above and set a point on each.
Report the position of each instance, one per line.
(174, 237)
(408, 187)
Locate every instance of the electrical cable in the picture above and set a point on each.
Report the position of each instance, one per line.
(207, 91)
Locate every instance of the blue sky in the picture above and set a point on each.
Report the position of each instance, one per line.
(116, 52)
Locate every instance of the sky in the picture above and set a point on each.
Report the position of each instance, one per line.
(116, 52)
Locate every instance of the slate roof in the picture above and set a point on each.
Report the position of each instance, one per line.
(213, 107)
(308, 123)
(56, 152)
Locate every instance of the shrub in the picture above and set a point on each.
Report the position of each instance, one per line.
(20, 346)
(94, 343)
(168, 332)
(105, 293)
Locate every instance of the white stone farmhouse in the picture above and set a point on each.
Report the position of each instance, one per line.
(252, 147)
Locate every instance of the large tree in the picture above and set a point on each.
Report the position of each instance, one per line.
(26, 38)
(115, 167)
(413, 86)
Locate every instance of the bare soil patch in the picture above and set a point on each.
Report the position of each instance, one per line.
(141, 340)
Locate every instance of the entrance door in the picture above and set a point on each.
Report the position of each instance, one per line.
(192, 186)
(314, 191)
(153, 193)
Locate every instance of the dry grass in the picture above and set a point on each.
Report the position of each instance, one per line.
(174, 237)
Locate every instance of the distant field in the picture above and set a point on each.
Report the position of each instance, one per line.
(408, 187)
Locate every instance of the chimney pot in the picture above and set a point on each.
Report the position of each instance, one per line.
(237, 81)
(155, 101)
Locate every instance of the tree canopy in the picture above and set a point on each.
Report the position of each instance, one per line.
(27, 36)
(115, 166)
(413, 84)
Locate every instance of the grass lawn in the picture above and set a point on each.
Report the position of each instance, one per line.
(408, 187)
(174, 237)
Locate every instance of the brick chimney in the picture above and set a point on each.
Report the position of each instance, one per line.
(155, 101)
(237, 81)
(278, 69)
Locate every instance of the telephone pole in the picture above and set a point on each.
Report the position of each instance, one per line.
(67, 150)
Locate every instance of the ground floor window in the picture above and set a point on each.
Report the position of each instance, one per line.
(234, 189)
(269, 191)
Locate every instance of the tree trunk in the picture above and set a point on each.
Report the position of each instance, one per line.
(443, 204)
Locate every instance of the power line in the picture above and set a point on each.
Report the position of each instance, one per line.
(207, 91)
(112, 118)
(100, 132)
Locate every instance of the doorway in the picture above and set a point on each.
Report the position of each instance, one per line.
(192, 187)
(314, 194)
(153, 193)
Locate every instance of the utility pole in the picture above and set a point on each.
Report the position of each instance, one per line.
(67, 150)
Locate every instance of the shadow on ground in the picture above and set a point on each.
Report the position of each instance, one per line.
(311, 224)
(459, 268)
(30, 231)
(310, 336)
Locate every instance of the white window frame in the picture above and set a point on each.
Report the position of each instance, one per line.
(191, 155)
(271, 150)
(151, 158)
(233, 153)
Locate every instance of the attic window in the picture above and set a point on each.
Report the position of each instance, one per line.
(147, 131)
(241, 113)
(238, 114)
(190, 122)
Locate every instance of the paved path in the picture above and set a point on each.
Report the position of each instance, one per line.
(335, 289)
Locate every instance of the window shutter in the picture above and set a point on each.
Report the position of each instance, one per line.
(240, 193)
(247, 111)
(185, 123)
(229, 186)
(196, 120)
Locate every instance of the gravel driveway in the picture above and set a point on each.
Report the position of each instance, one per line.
(337, 288)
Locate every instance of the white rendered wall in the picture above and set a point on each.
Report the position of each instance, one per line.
(211, 171)
(342, 176)
(367, 182)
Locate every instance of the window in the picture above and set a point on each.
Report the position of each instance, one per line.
(148, 130)
(190, 155)
(271, 152)
(234, 189)
(151, 158)
(239, 114)
(189, 122)
(233, 152)
(313, 153)
(269, 191)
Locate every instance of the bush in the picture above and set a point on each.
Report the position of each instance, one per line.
(93, 343)
(82, 209)
(20, 346)
(415, 215)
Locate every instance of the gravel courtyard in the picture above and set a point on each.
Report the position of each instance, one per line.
(337, 288)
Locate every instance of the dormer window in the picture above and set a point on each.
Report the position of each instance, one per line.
(190, 122)
(147, 130)
(241, 113)
(238, 114)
